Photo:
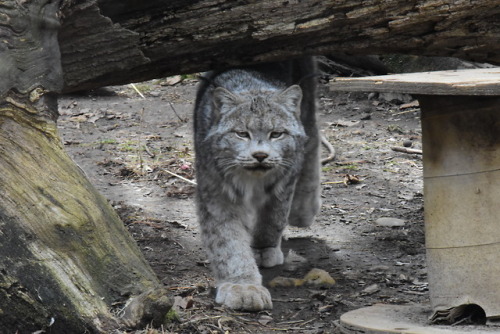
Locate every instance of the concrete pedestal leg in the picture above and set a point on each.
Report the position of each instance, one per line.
(461, 146)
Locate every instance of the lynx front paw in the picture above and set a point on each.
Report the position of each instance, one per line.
(248, 297)
(268, 257)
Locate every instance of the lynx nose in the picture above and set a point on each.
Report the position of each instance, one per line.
(260, 156)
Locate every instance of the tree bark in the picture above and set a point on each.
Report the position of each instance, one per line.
(114, 42)
(65, 256)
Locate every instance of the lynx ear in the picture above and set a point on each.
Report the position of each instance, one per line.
(291, 98)
(224, 99)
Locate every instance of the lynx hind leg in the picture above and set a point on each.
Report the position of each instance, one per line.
(269, 257)
(307, 195)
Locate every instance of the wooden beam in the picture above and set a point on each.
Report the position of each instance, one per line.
(482, 82)
(107, 42)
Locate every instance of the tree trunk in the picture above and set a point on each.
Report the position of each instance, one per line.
(65, 256)
(114, 42)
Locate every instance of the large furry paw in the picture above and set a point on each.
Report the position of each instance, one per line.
(247, 297)
(268, 257)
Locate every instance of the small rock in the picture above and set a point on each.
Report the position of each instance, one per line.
(264, 319)
(407, 143)
(390, 222)
(171, 81)
(369, 290)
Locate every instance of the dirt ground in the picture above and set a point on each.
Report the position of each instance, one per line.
(129, 145)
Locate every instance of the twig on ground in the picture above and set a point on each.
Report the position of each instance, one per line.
(137, 90)
(332, 182)
(299, 324)
(293, 322)
(406, 150)
(148, 151)
(406, 111)
(180, 177)
(176, 114)
(348, 180)
(308, 321)
(351, 162)
(330, 148)
(141, 125)
(201, 319)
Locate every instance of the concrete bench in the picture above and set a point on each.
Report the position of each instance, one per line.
(460, 113)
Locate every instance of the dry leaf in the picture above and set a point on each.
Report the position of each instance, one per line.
(313, 277)
(183, 303)
(285, 282)
(351, 179)
(319, 277)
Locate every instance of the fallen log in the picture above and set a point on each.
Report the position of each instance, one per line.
(114, 42)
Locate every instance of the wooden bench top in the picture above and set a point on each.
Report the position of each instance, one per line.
(479, 82)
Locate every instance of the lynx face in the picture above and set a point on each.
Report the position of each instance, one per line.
(261, 134)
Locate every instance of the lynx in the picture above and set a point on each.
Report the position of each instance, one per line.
(257, 165)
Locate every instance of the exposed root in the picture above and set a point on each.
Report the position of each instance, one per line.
(330, 148)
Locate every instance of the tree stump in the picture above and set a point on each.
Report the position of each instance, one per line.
(67, 261)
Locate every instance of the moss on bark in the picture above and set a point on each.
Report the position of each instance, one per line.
(66, 256)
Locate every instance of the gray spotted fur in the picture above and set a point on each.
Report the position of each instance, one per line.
(257, 166)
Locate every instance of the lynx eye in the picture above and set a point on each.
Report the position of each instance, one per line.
(242, 134)
(276, 134)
